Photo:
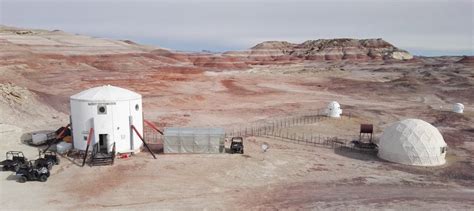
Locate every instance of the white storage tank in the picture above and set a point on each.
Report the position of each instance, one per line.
(458, 108)
(110, 111)
(334, 109)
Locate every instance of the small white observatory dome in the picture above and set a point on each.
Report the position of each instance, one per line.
(458, 108)
(334, 109)
(110, 111)
(413, 142)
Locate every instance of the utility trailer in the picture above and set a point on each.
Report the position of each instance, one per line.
(41, 137)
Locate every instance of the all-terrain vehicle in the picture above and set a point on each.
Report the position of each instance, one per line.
(15, 159)
(31, 172)
(47, 159)
(237, 145)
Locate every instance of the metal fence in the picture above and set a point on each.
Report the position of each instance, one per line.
(274, 127)
(278, 128)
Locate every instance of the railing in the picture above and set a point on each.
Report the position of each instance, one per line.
(278, 128)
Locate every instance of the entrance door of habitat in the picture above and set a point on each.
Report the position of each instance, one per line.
(103, 142)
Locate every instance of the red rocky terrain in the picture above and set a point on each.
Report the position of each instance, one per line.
(374, 81)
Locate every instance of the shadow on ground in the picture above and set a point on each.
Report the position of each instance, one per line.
(357, 154)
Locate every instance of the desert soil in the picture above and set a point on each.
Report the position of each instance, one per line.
(39, 71)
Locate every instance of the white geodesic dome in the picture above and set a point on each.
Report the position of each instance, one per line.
(413, 142)
(334, 109)
(458, 108)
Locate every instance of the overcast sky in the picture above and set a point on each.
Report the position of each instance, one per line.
(426, 27)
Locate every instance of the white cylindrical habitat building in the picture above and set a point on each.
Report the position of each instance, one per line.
(334, 109)
(413, 142)
(458, 108)
(110, 111)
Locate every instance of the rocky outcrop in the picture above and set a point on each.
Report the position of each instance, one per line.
(349, 49)
(468, 60)
(324, 49)
(12, 94)
(265, 53)
(112, 55)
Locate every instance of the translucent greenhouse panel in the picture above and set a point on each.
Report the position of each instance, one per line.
(171, 144)
(194, 140)
(201, 143)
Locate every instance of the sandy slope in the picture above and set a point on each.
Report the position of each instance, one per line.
(45, 68)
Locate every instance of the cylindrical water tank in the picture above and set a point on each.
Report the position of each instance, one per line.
(334, 109)
(110, 111)
(458, 108)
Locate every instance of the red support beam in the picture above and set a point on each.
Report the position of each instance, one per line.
(143, 140)
(61, 134)
(89, 138)
(58, 137)
(152, 126)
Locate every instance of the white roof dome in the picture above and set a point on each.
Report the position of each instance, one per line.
(413, 142)
(106, 93)
(334, 104)
(334, 109)
(458, 108)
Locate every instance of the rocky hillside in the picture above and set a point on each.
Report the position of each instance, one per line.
(467, 60)
(35, 47)
(324, 49)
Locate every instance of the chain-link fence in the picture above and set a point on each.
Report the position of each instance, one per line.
(275, 127)
(279, 128)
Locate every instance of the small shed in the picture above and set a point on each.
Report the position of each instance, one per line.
(194, 140)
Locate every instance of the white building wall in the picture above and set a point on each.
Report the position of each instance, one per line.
(115, 123)
(103, 123)
(121, 127)
(137, 118)
(82, 121)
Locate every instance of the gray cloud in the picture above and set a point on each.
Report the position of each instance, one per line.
(440, 25)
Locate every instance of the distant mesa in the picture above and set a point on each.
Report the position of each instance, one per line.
(467, 60)
(326, 49)
(265, 53)
(282, 52)
(129, 42)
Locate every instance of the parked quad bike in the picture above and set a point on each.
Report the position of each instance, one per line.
(47, 159)
(30, 172)
(237, 145)
(14, 160)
